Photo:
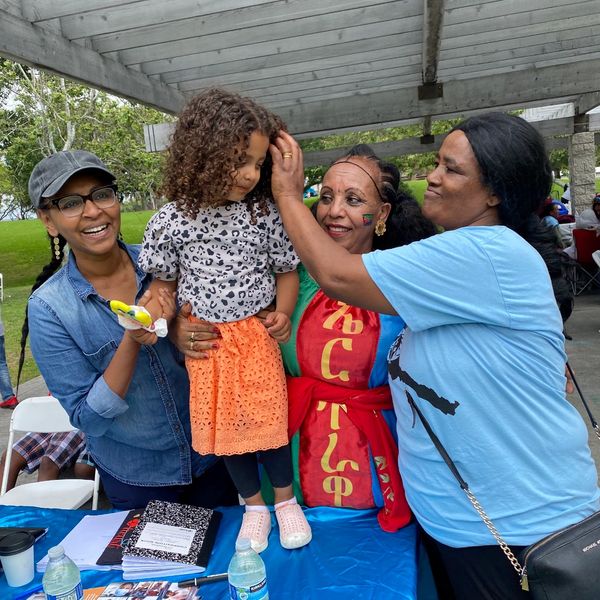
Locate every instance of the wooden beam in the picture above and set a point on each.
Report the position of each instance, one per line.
(410, 146)
(586, 102)
(352, 64)
(517, 89)
(363, 79)
(106, 16)
(468, 11)
(11, 6)
(433, 18)
(34, 10)
(497, 31)
(262, 40)
(26, 43)
(157, 139)
(131, 35)
(341, 87)
(505, 54)
(305, 60)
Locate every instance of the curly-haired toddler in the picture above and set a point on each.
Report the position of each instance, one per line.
(220, 242)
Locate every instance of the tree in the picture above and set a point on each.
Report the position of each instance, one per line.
(43, 113)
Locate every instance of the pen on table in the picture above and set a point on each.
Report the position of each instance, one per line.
(202, 580)
(23, 595)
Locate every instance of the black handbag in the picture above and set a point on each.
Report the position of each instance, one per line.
(564, 565)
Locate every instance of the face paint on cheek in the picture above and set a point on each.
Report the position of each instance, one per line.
(367, 219)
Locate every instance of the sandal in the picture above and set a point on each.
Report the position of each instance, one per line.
(294, 530)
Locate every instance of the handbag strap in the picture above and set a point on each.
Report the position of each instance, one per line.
(585, 404)
(465, 486)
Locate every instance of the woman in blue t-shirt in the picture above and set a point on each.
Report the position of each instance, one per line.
(482, 356)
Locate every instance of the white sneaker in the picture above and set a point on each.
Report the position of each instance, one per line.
(294, 530)
(256, 526)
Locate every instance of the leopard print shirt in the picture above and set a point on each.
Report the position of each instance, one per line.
(224, 266)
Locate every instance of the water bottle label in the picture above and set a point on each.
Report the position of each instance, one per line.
(254, 592)
(75, 594)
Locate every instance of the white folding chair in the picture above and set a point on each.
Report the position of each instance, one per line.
(44, 414)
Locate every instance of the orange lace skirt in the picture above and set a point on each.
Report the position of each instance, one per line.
(238, 396)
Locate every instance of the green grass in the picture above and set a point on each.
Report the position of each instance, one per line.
(418, 187)
(24, 250)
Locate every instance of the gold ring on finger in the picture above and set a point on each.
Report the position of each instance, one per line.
(192, 345)
(192, 337)
(287, 155)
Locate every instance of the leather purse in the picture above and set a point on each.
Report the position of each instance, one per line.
(561, 566)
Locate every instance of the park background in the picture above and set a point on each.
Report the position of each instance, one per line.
(41, 113)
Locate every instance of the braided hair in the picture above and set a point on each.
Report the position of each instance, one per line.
(57, 252)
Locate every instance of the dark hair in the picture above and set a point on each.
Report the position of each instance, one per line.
(204, 150)
(548, 208)
(514, 166)
(405, 223)
(49, 270)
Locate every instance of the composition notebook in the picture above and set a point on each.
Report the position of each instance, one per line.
(113, 553)
(171, 537)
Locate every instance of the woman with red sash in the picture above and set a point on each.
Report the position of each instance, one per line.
(341, 419)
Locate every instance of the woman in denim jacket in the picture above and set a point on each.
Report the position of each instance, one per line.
(127, 390)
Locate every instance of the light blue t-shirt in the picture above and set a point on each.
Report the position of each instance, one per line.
(483, 358)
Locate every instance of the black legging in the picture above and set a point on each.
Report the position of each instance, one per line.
(243, 469)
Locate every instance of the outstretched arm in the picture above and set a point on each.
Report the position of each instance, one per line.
(340, 274)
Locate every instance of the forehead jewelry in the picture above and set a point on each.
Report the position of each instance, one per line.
(351, 162)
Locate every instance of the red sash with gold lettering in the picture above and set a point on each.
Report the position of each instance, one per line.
(342, 477)
(346, 455)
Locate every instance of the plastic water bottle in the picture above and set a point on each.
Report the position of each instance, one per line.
(246, 574)
(61, 580)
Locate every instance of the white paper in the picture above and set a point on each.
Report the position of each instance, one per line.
(167, 538)
(87, 540)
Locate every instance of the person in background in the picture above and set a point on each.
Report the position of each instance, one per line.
(9, 400)
(550, 220)
(590, 217)
(126, 390)
(566, 197)
(482, 355)
(48, 454)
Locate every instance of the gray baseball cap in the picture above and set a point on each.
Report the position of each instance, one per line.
(51, 173)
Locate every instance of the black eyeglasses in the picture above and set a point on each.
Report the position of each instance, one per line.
(72, 205)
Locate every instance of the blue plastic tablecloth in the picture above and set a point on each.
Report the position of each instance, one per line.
(349, 556)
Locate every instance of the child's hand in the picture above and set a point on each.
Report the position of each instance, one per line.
(141, 336)
(167, 303)
(279, 326)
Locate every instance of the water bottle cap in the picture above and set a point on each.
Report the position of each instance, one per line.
(242, 544)
(56, 552)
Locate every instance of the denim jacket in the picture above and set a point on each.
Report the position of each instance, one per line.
(142, 439)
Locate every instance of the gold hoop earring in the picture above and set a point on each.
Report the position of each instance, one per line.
(380, 228)
(56, 248)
